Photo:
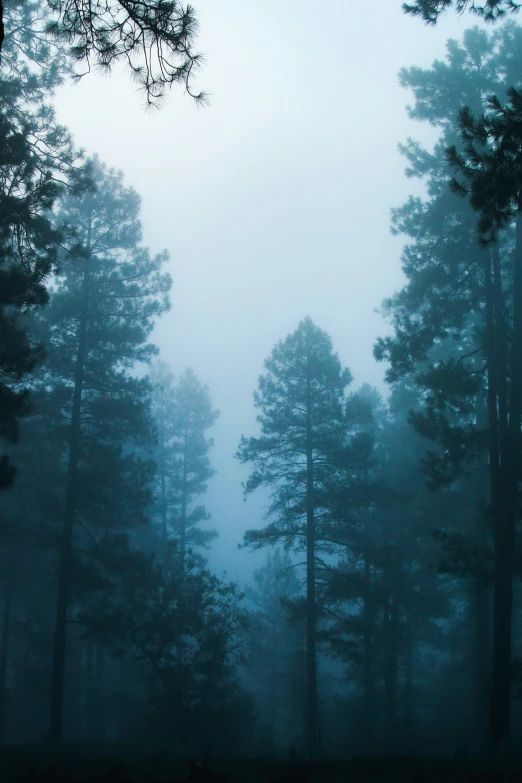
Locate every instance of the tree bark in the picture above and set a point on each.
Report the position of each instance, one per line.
(66, 551)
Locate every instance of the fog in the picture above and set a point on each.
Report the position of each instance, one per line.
(261, 392)
(274, 201)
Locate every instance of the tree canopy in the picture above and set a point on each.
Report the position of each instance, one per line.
(155, 39)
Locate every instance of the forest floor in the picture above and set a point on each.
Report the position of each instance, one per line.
(32, 764)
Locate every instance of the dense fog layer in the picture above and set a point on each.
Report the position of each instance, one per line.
(261, 381)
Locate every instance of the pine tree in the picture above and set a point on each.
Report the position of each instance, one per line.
(490, 170)
(98, 323)
(36, 157)
(183, 413)
(452, 321)
(301, 404)
(155, 39)
(490, 10)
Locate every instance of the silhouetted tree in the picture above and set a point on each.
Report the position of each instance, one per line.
(301, 404)
(490, 10)
(490, 167)
(155, 39)
(110, 292)
(452, 317)
(35, 157)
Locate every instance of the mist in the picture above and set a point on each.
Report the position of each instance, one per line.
(260, 391)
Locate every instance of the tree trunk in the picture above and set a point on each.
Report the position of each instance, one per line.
(164, 529)
(65, 564)
(369, 662)
(482, 668)
(90, 683)
(183, 520)
(272, 706)
(99, 690)
(390, 661)
(497, 500)
(480, 599)
(183, 539)
(504, 537)
(409, 706)
(311, 667)
(4, 648)
(123, 679)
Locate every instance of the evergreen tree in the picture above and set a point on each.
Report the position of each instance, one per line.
(301, 404)
(194, 700)
(452, 332)
(107, 299)
(35, 161)
(490, 166)
(183, 413)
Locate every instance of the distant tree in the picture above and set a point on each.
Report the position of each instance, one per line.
(193, 415)
(162, 386)
(301, 402)
(183, 413)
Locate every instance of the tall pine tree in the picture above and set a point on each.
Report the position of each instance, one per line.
(301, 413)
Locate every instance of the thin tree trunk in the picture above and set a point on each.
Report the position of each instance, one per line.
(65, 565)
(311, 666)
(500, 346)
(272, 707)
(482, 667)
(90, 688)
(122, 700)
(497, 505)
(164, 529)
(183, 537)
(390, 660)
(4, 647)
(369, 663)
(99, 682)
(504, 538)
(183, 521)
(409, 706)
(491, 349)
(480, 601)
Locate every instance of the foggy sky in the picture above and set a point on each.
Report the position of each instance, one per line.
(274, 201)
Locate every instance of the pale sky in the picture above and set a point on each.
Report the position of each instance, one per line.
(274, 202)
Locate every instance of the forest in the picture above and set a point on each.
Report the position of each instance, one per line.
(385, 621)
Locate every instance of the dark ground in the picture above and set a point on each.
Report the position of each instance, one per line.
(111, 764)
